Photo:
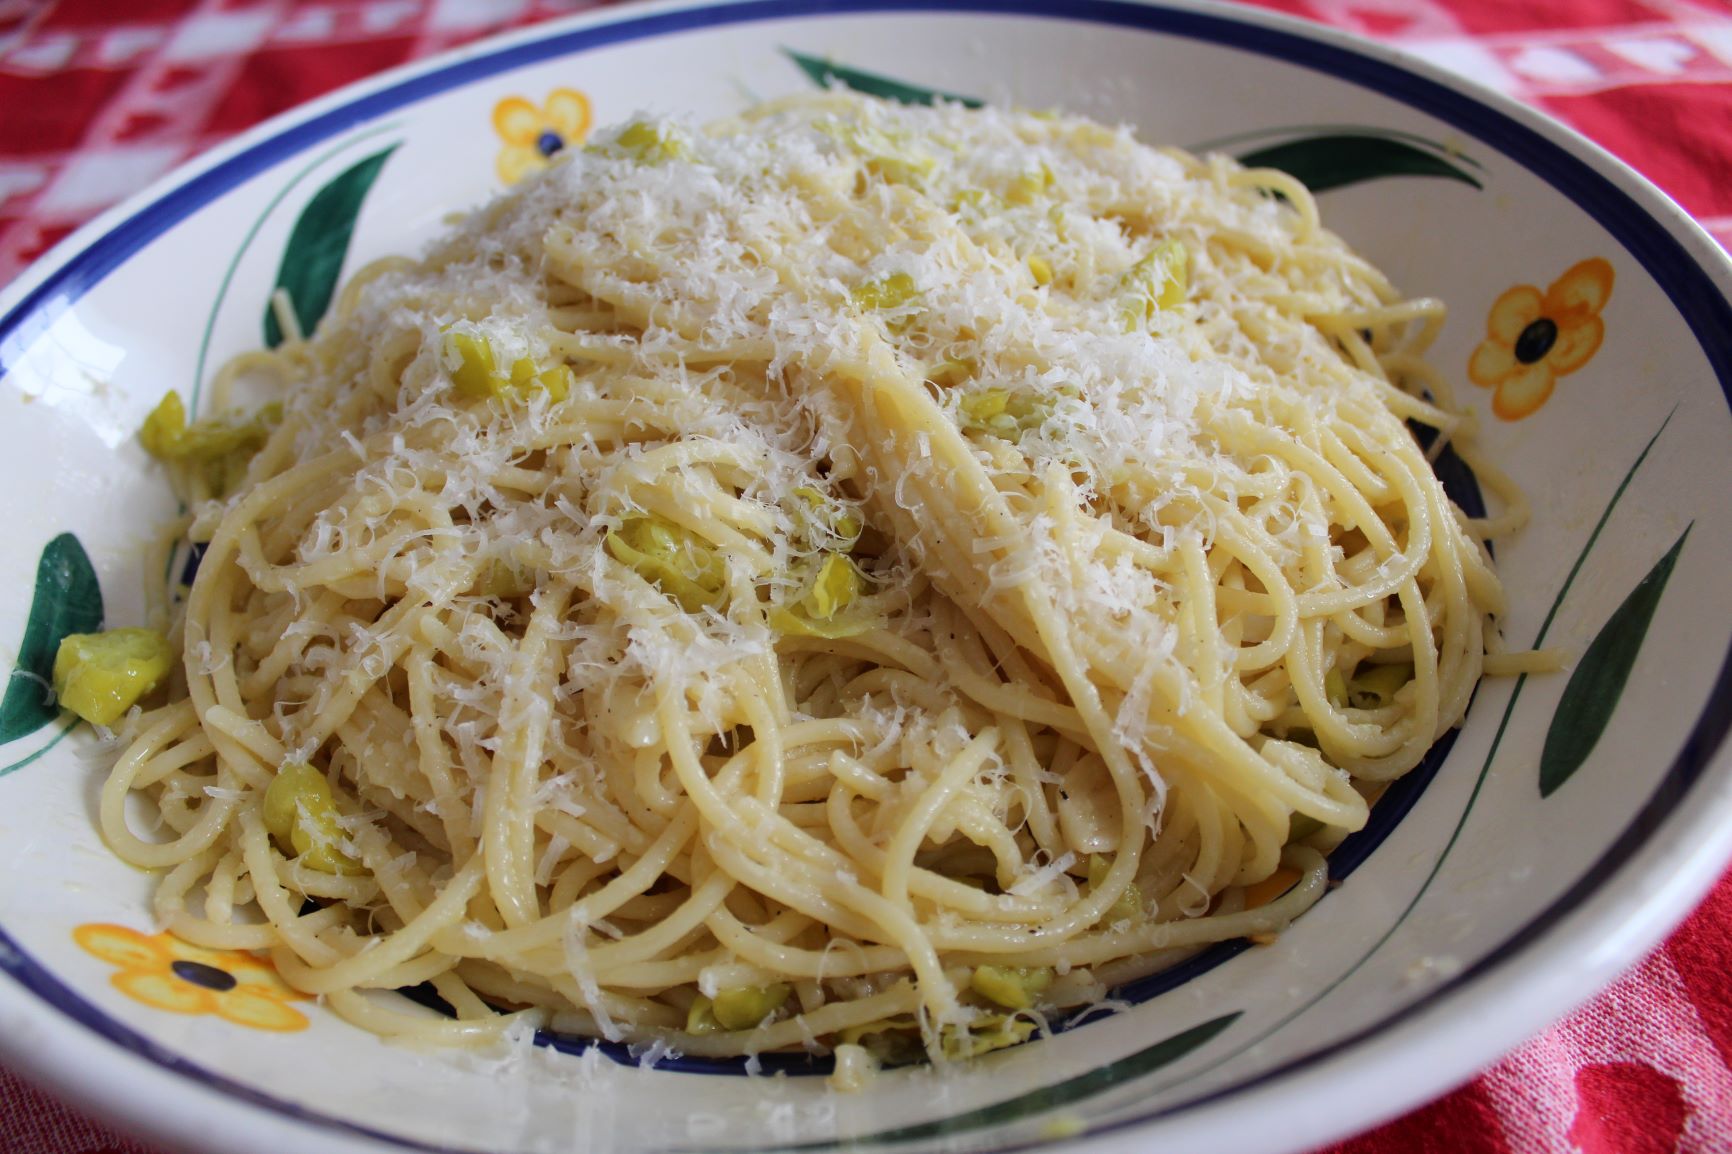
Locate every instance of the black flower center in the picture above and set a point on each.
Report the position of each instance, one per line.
(549, 142)
(200, 974)
(1536, 340)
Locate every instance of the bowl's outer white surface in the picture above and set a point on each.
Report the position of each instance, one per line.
(1485, 913)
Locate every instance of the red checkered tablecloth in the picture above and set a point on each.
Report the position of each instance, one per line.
(100, 97)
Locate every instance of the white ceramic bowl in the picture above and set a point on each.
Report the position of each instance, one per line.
(1500, 884)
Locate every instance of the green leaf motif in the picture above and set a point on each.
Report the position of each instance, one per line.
(1320, 162)
(313, 259)
(1065, 1093)
(823, 74)
(1598, 681)
(67, 599)
(1336, 160)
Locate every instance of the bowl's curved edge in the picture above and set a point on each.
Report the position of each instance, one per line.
(1434, 1040)
(144, 1099)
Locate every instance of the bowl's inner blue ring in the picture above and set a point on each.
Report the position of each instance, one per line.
(1690, 288)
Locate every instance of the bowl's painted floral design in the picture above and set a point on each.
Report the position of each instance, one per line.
(1533, 338)
(166, 973)
(534, 135)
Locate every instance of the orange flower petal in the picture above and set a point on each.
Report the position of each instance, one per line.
(518, 161)
(1576, 345)
(1512, 312)
(568, 114)
(516, 120)
(245, 1008)
(164, 991)
(1582, 291)
(1491, 362)
(258, 978)
(1522, 393)
(122, 947)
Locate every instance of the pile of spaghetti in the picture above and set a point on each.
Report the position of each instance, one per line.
(850, 577)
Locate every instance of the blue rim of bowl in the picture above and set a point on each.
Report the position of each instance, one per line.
(1689, 287)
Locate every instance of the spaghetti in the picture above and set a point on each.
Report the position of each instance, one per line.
(852, 576)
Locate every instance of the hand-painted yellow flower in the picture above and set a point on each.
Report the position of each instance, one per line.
(1533, 338)
(534, 136)
(162, 971)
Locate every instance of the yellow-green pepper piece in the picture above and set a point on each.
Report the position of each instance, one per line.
(1335, 688)
(983, 1035)
(222, 445)
(701, 1017)
(951, 373)
(300, 811)
(1374, 686)
(681, 563)
(557, 381)
(1013, 987)
(99, 676)
(1130, 901)
(886, 292)
(1160, 280)
(164, 426)
(982, 407)
(650, 144)
(838, 585)
(1002, 413)
(744, 1007)
(1030, 186)
(837, 521)
(474, 370)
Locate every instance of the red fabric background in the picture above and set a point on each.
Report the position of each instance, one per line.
(97, 98)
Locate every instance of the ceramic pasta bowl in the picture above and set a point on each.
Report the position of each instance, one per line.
(1542, 847)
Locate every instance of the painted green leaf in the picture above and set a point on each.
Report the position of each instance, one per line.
(1065, 1093)
(313, 260)
(1335, 160)
(823, 73)
(67, 599)
(1598, 681)
(1234, 142)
